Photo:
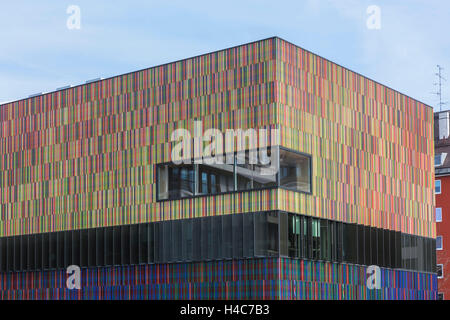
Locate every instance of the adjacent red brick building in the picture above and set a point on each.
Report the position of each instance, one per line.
(442, 190)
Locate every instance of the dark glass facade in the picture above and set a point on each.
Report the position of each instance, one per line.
(239, 236)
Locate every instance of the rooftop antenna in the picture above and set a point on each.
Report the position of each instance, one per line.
(439, 92)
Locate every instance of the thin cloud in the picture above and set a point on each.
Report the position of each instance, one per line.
(38, 53)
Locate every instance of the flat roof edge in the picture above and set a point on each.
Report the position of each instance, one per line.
(212, 52)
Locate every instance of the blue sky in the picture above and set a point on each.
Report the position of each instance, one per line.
(38, 53)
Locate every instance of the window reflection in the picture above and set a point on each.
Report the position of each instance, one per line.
(175, 182)
(295, 170)
(249, 170)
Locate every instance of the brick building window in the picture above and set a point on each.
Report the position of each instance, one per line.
(439, 244)
(440, 271)
(438, 214)
(437, 187)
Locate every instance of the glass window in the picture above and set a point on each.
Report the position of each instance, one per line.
(215, 178)
(197, 233)
(325, 240)
(252, 169)
(217, 237)
(438, 214)
(265, 170)
(438, 160)
(3, 254)
(176, 240)
(405, 251)
(244, 170)
(84, 248)
(117, 246)
(68, 248)
(222, 237)
(350, 235)
(420, 251)
(7, 254)
(339, 241)
(413, 253)
(143, 243)
(333, 238)
(75, 247)
(45, 250)
(237, 230)
(361, 245)
(316, 239)
(60, 250)
(151, 242)
(175, 182)
(100, 247)
(163, 182)
(134, 244)
(437, 186)
(433, 255)
(380, 248)
(387, 249)
(440, 296)
(16, 249)
(167, 248)
(295, 171)
(367, 246)
(427, 252)
(92, 241)
(52, 250)
(206, 238)
(398, 249)
(294, 236)
(23, 252)
(272, 221)
(439, 244)
(266, 234)
(440, 271)
(393, 249)
(307, 237)
(10, 254)
(125, 244)
(226, 234)
(248, 235)
(255, 170)
(31, 252)
(374, 246)
(158, 242)
(187, 240)
(284, 228)
(109, 246)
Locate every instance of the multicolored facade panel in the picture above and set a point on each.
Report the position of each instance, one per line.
(260, 279)
(86, 157)
(370, 145)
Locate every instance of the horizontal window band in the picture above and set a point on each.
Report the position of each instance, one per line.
(224, 237)
(287, 169)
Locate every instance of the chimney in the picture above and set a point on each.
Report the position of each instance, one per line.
(444, 125)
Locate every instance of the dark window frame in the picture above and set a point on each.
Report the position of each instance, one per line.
(197, 182)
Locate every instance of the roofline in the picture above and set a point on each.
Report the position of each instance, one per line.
(440, 175)
(212, 52)
(359, 74)
(140, 70)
